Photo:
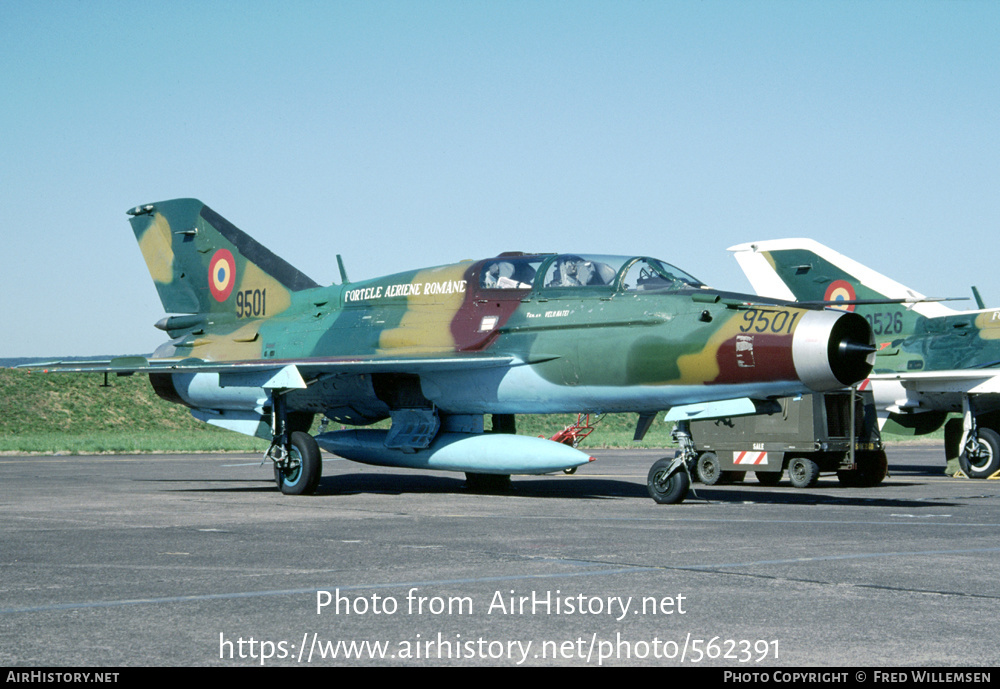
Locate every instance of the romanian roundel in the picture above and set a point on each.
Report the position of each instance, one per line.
(841, 290)
(221, 274)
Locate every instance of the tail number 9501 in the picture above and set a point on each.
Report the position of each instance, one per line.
(251, 303)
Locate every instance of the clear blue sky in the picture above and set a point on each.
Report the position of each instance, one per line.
(406, 134)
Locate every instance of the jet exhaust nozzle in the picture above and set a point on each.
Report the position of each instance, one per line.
(833, 349)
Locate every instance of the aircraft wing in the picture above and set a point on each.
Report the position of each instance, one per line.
(910, 392)
(966, 381)
(308, 366)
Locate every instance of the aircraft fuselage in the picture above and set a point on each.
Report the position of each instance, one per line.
(629, 344)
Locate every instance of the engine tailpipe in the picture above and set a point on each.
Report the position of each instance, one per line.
(833, 349)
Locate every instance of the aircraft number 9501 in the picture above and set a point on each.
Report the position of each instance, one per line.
(251, 303)
(778, 322)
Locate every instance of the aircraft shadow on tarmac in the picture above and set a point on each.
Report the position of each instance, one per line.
(575, 488)
(916, 470)
(859, 497)
(402, 484)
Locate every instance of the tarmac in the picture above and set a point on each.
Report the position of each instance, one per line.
(198, 560)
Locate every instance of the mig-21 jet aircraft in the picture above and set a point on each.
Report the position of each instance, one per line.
(931, 360)
(259, 348)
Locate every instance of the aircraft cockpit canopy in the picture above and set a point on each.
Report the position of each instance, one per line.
(511, 272)
(575, 270)
(648, 274)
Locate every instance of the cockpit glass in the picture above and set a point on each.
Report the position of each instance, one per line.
(571, 270)
(650, 274)
(509, 272)
(516, 272)
(574, 270)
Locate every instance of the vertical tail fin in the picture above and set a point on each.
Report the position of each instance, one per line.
(202, 263)
(805, 270)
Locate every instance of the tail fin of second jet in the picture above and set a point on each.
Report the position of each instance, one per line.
(805, 270)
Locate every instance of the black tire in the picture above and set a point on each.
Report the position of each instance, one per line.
(768, 478)
(487, 483)
(803, 472)
(986, 461)
(873, 467)
(667, 491)
(708, 470)
(302, 478)
(849, 478)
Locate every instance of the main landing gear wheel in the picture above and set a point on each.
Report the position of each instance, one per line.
(487, 483)
(803, 472)
(983, 460)
(304, 466)
(664, 487)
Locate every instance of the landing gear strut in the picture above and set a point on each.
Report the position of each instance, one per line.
(298, 464)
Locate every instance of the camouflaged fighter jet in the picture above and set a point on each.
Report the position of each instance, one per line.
(258, 347)
(931, 359)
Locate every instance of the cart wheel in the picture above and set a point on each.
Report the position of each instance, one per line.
(803, 472)
(707, 470)
(873, 467)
